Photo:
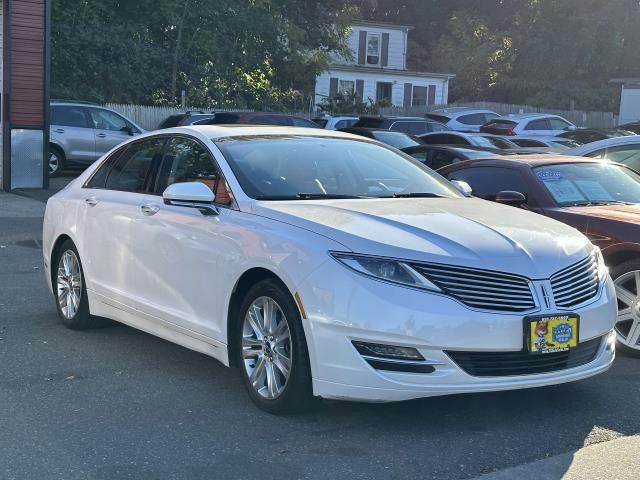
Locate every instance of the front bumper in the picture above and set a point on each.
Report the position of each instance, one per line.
(342, 306)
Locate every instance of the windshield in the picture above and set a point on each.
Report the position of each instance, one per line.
(396, 139)
(574, 184)
(300, 167)
(494, 142)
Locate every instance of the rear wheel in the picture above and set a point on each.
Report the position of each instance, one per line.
(56, 160)
(272, 350)
(70, 290)
(626, 278)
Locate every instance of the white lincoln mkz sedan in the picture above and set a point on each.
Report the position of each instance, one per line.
(324, 264)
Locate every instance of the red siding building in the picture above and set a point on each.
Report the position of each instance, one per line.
(25, 81)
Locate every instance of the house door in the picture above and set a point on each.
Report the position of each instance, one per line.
(383, 92)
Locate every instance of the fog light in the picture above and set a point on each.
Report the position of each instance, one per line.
(387, 351)
(611, 341)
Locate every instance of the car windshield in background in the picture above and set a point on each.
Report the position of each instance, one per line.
(300, 167)
(590, 183)
(395, 139)
(492, 142)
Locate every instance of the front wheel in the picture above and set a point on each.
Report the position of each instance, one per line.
(55, 161)
(272, 350)
(626, 278)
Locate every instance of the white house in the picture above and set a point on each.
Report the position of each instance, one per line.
(378, 70)
(629, 100)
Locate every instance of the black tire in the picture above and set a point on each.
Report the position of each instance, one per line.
(297, 395)
(617, 272)
(81, 319)
(61, 159)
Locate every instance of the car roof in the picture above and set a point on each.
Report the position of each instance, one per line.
(218, 132)
(532, 161)
(529, 116)
(606, 143)
(459, 111)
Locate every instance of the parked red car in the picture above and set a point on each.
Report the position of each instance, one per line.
(599, 198)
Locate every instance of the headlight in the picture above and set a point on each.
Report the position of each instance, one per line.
(388, 270)
(603, 270)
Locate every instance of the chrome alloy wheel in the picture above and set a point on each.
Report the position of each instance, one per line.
(54, 163)
(628, 323)
(266, 348)
(69, 284)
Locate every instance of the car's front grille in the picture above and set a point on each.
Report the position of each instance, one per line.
(504, 364)
(481, 289)
(576, 284)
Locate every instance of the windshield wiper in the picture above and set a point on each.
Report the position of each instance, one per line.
(416, 195)
(309, 196)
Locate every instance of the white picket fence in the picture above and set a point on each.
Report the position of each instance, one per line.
(150, 116)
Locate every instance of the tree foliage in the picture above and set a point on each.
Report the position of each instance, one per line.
(241, 52)
(257, 53)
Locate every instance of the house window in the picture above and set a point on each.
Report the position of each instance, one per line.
(346, 87)
(373, 48)
(419, 96)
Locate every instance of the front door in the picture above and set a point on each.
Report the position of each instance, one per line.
(110, 130)
(179, 249)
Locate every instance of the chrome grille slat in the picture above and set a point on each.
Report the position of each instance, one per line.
(481, 289)
(577, 283)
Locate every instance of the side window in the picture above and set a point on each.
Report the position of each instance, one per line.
(472, 119)
(418, 128)
(558, 124)
(626, 154)
(528, 143)
(345, 123)
(440, 139)
(100, 176)
(487, 182)
(400, 127)
(439, 159)
(131, 173)
(106, 120)
(188, 161)
(271, 120)
(69, 116)
(300, 122)
(542, 124)
(438, 127)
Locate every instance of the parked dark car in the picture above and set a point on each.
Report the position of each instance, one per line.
(397, 140)
(258, 118)
(599, 198)
(632, 127)
(588, 135)
(439, 156)
(408, 125)
(182, 119)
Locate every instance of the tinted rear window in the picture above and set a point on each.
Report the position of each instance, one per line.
(221, 118)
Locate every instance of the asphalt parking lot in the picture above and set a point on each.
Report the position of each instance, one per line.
(116, 403)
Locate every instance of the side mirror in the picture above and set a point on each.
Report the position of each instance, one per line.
(127, 129)
(511, 198)
(463, 187)
(191, 195)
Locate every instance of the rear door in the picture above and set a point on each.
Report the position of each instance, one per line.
(540, 126)
(71, 131)
(110, 129)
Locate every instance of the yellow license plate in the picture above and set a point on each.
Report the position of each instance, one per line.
(552, 334)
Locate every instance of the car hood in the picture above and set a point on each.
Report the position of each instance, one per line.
(457, 231)
(622, 213)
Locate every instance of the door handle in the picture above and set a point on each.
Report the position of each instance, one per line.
(59, 130)
(149, 210)
(101, 135)
(91, 201)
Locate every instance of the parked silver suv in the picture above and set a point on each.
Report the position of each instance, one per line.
(82, 132)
